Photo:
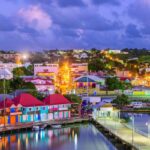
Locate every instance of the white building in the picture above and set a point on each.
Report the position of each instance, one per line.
(42, 84)
(5, 74)
(47, 70)
(9, 66)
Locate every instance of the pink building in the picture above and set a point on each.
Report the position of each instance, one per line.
(48, 70)
(58, 106)
(42, 84)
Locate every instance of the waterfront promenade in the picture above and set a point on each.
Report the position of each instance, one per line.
(24, 126)
(119, 129)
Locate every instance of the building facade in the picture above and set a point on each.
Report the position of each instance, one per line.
(47, 70)
(26, 109)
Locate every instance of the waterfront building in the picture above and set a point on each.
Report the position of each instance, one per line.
(59, 106)
(30, 107)
(7, 117)
(25, 109)
(106, 110)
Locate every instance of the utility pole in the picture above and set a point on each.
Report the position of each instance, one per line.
(4, 88)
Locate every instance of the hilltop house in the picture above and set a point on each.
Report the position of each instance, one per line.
(42, 84)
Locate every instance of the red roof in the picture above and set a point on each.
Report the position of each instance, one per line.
(125, 78)
(27, 100)
(56, 99)
(8, 103)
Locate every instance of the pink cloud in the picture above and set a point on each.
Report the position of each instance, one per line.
(35, 17)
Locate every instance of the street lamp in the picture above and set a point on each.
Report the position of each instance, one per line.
(148, 125)
(133, 127)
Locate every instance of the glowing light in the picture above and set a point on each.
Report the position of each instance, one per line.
(75, 141)
(25, 56)
(64, 80)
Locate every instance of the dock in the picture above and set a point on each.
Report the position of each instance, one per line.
(28, 126)
(125, 135)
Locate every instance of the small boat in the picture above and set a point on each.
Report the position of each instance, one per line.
(35, 128)
(43, 126)
(56, 126)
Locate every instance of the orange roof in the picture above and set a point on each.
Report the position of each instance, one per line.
(56, 99)
(27, 100)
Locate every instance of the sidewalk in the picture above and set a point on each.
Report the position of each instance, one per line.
(139, 141)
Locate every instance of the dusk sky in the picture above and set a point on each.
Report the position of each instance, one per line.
(67, 24)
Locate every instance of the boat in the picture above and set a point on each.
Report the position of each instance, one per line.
(56, 126)
(43, 126)
(35, 128)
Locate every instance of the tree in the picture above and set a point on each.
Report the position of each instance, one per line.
(22, 71)
(73, 98)
(96, 65)
(7, 86)
(18, 83)
(121, 100)
(113, 83)
(37, 94)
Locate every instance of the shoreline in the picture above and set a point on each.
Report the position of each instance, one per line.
(29, 126)
(115, 140)
(136, 111)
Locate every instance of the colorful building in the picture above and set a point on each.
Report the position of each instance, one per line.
(90, 80)
(79, 69)
(42, 84)
(31, 107)
(59, 106)
(47, 70)
(25, 109)
(8, 116)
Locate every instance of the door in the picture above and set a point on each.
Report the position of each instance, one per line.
(13, 120)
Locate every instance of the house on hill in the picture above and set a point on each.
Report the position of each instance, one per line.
(90, 80)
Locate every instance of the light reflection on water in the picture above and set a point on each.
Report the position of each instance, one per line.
(81, 137)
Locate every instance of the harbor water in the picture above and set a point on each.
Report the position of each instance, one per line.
(75, 137)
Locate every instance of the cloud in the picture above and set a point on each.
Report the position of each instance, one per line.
(132, 31)
(109, 2)
(6, 24)
(35, 17)
(85, 19)
(140, 11)
(70, 3)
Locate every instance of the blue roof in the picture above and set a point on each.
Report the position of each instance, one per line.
(85, 79)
